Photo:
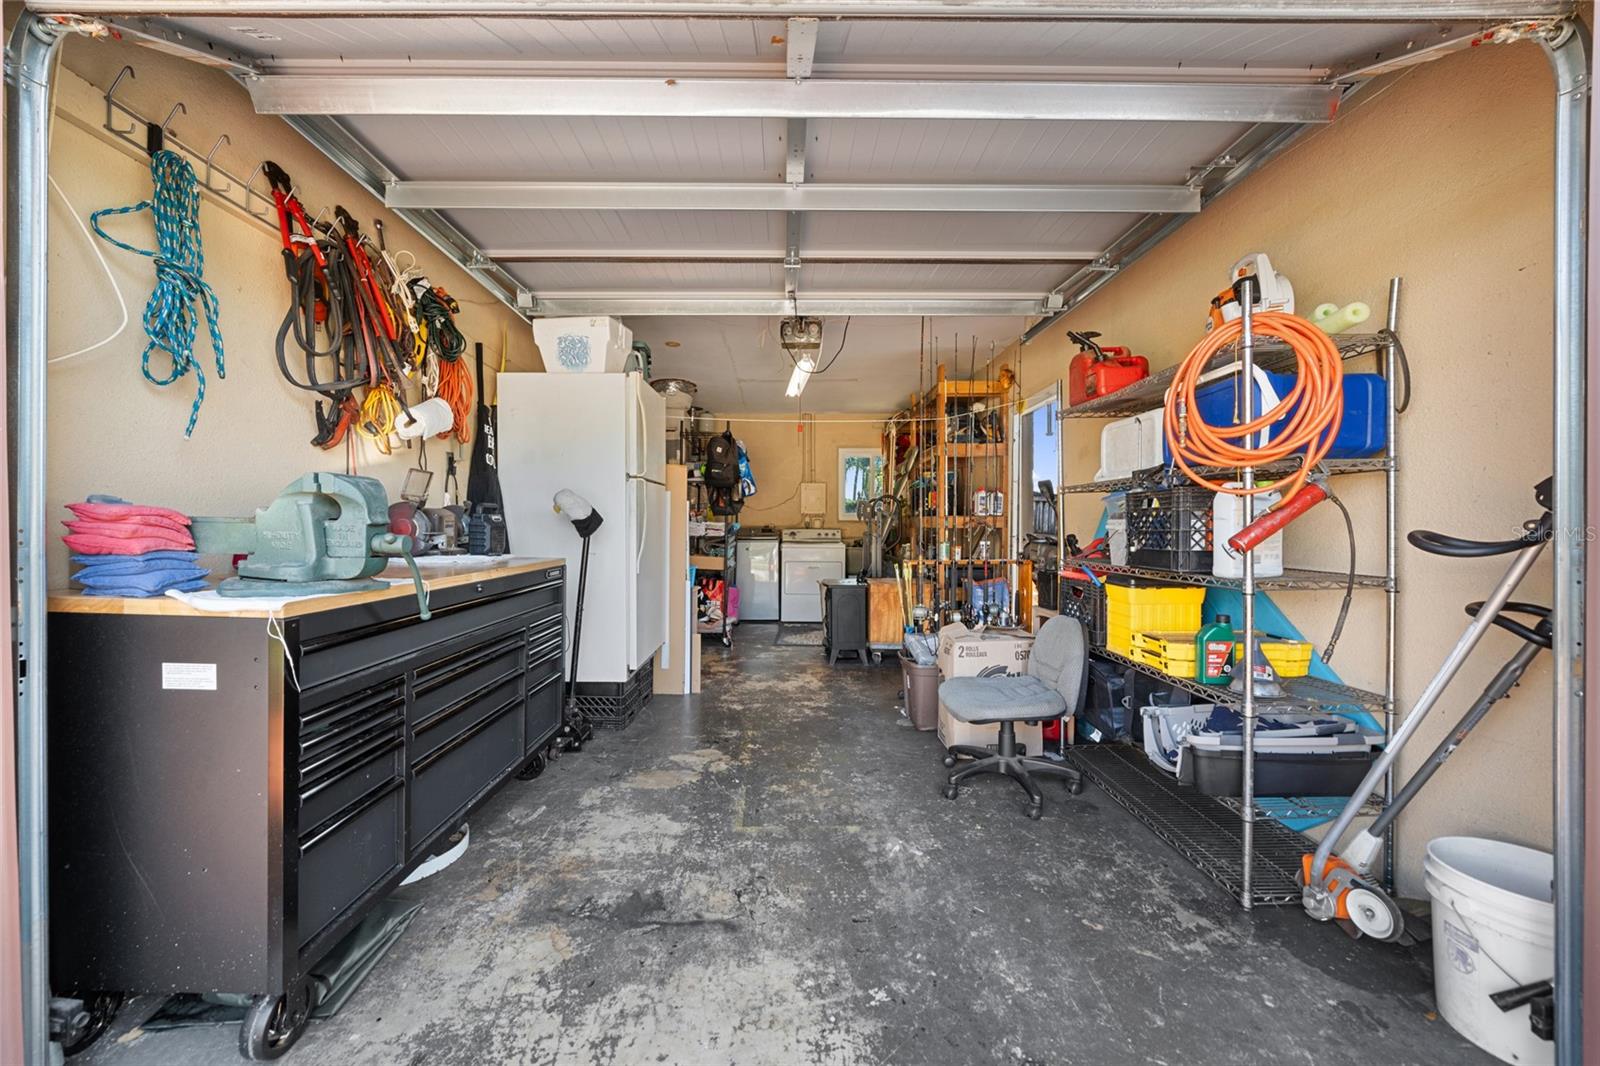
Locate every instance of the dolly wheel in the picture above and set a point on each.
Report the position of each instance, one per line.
(273, 1023)
(102, 1008)
(950, 792)
(533, 768)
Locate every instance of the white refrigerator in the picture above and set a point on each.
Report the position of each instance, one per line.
(604, 437)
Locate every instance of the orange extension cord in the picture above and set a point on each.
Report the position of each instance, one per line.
(455, 388)
(1317, 401)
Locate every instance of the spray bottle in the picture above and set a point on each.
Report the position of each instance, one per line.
(1213, 652)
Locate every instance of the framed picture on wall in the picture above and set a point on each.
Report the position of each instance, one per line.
(860, 479)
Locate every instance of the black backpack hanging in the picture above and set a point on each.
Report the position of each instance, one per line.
(483, 479)
(722, 474)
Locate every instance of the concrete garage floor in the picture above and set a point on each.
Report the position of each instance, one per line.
(768, 874)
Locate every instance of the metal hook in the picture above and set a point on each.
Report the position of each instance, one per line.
(224, 139)
(111, 101)
(166, 124)
(316, 223)
(249, 190)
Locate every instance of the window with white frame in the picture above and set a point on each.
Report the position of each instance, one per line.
(860, 479)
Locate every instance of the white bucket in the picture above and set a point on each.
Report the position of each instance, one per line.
(1493, 929)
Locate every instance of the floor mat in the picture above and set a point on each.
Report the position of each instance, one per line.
(799, 636)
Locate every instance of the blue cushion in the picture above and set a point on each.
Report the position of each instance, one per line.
(1001, 699)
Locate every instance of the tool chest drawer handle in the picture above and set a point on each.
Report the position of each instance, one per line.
(314, 778)
(372, 700)
(310, 645)
(449, 710)
(316, 748)
(514, 703)
(543, 652)
(351, 812)
(442, 672)
(541, 686)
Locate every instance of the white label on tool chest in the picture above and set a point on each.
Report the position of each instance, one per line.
(189, 676)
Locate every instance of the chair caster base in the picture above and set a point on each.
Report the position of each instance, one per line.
(950, 792)
(1035, 812)
(949, 761)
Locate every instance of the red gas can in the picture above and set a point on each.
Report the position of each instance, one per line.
(1097, 370)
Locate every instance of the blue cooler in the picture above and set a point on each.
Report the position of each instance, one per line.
(1362, 432)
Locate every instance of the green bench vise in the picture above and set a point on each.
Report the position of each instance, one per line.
(324, 534)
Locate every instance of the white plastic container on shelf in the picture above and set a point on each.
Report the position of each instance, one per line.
(1227, 518)
(1130, 444)
(583, 345)
(1493, 929)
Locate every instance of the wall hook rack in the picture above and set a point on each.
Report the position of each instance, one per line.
(112, 105)
(209, 181)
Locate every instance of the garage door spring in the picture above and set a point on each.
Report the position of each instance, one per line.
(170, 319)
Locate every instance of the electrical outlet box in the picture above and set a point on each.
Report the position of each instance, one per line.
(813, 497)
(800, 334)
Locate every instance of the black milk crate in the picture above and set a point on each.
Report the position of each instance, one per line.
(614, 703)
(1084, 600)
(1170, 529)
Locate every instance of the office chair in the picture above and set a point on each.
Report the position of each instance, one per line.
(1055, 685)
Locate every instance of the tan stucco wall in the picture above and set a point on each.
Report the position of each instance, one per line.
(778, 450)
(1443, 176)
(113, 432)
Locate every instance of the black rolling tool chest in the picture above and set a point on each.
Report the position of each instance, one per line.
(224, 807)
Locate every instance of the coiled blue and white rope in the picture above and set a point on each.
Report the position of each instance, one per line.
(170, 319)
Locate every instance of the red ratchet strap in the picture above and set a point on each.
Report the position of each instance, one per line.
(364, 273)
(290, 211)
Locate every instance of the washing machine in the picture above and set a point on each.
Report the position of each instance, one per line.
(808, 557)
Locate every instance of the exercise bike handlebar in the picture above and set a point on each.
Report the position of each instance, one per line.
(1462, 548)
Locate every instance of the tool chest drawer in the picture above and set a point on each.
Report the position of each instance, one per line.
(327, 658)
(446, 781)
(348, 855)
(542, 714)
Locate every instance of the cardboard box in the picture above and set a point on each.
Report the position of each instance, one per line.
(1030, 737)
(966, 652)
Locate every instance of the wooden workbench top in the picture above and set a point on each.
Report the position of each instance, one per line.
(436, 575)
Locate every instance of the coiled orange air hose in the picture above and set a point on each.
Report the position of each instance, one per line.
(1316, 403)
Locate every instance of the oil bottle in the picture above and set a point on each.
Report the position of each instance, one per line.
(1213, 652)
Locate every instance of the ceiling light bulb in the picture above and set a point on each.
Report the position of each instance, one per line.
(802, 374)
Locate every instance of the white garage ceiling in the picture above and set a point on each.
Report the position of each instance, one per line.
(991, 162)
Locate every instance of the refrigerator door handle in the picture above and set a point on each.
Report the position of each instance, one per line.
(644, 524)
(638, 437)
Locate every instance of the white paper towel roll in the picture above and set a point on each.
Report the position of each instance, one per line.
(427, 419)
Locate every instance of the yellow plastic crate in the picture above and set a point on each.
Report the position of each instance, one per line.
(1134, 609)
(1177, 667)
(1290, 658)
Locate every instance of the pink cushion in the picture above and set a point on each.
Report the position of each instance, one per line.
(152, 526)
(111, 512)
(96, 544)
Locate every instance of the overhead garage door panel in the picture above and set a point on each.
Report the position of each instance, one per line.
(532, 148)
(624, 231)
(554, 279)
(968, 231)
(945, 151)
(930, 279)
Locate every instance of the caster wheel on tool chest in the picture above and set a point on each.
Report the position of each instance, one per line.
(273, 1023)
(1035, 812)
(950, 792)
(535, 766)
(101, 1008)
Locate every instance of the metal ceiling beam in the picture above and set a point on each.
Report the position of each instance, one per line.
(984, 257)
(776, 196)
(673, 303)
(1291, 11)
(409, 94)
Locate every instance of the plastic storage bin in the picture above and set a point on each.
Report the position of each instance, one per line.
(1134, 605)
(1082, 599)
(1362, 431)
(1170, 529)
(583, 345)
(1227, 518)
(1289, 658)
(1133, 443)
(1171, 653)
